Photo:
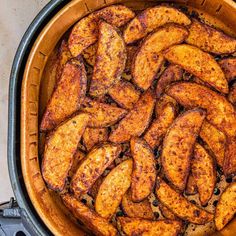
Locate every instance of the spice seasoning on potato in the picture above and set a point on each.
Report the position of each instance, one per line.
(168, 214)
(228, 65)
(232, 94)
(191, 187)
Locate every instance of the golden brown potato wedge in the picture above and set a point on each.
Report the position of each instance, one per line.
(89, 54)
(94, 164)
(78, 156)
(136, 121)
(228, 65)
(210, 39)
(136, 226)
(60, 148)
(93, 191)
(198, 63)
(191, 187)
(220, 112)
(180, 206)
(72, 84)
(85, 32)
(102, 114)
(204, 173)
(226, 207)
(131, 51)
(167, 213)
(232, 94)
(152, 18)
(148, 59)
(113, 188)
(98, 225)
(144, 171)
(178, 146)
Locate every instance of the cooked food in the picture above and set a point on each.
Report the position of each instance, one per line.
(232, 94)
(93, 191)
(113, 188)
(72, 84)
(148, 59)
(191, 187)
(97, 160)
(210, 39)
(167, 213)
(228, 65)
(89, 54)
(130, 50)
(136, 121)
(152, 18)
(198, 63)
(60, 148)
(98, 225)
(78, 156)
(178, 146)
(180, 206)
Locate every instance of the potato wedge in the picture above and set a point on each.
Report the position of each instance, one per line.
(220, 112)
(178, 146)
(191, 187)
(148, 58)
(210, 39)
(102, 114)
(198, 63)
(89, 54)
(113, 188)
(204, 173)
(93, 191)
(232, 94)
(85, 32)
(136, 226)
(77, 158)
(73, 84)
(152, 18)
(97, 160)
(60, 148)
(144, 171)
(228, 65)
(226, 207)
(98, 225)
(180, 206)
(131, 51)
(136, 121)
(167, 213)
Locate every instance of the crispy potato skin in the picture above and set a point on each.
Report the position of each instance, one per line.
(178, 146)
(136, 121)
(148, 58)
(180, 206)
(204, 173)
(85, 32)
(191, 187)
(144, 172)
(60, 148)
(136, 226)
(210, 39)
(73, 84)
(220, 112)
(131, 51)
(167, 213)
(152, 18)
(89, 54)
(232, 94)
(78, 156)
(97, 160)
(198, 63)
(228, 65)
(226, 207)
(93, 191)
(98, 225)
(113, 188)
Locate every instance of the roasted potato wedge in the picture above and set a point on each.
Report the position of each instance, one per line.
(228, 65)
(93, 191)
(210, 39)
(131, 51)
(78, 156)
(226, 207)
(136, 121)
(98, 225)
(152, 18)
(168, 214)
(198, 63)
(113, 188)
(94, 164)
(85, 32)
(89, 54)
(232, 94)
(180, 206)
(60, 148)
(148, 58)
(220, 112)
(191, 187)
(178, 146)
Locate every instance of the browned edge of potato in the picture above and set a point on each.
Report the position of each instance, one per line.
(191, 187)
(77, 158)
(168, 214)
(228, 65)
(232, 94)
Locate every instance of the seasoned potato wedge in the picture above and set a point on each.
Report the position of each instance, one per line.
(228, 65)
(168, 214)
(110, 60)
(89, 54)
(93, 191)
(148, 58)
(226, 207)
(136, 121)
(72, 84)
(178, 146)
(180, 206)
(60, 148)
(191, 187)
(144, 171)
(210, 39)
(136, 226)
(94, 164)
(198, 63)
(131, 51)
(113, 188)
(151, 19)
(220, 112)
(85, 32)
(98, 225)
(78, 156)
(232, 94)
